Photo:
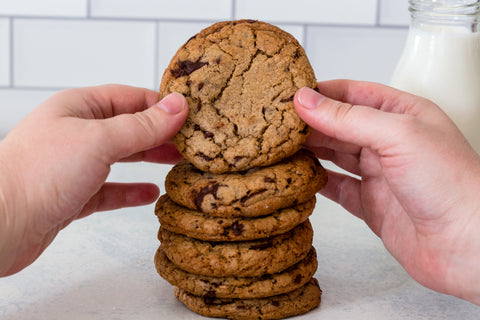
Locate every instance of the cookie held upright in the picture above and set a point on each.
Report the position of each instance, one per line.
(239, 78)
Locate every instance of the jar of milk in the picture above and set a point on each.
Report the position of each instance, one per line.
(441, 60)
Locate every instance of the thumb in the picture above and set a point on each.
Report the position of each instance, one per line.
(361, 125)
(132, 133)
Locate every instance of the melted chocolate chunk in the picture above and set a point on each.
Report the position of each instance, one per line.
(268, 180)
(237, 158)
(237, 228)
(305, 129)
(298, 279)
(204, 156)
(187, 67)
(209, 297)
(287, 100)
(262, 246)
(247, 197)
(212, 189)
(208, 134)
(200, 85)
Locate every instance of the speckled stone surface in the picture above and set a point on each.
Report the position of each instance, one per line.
(101, 268)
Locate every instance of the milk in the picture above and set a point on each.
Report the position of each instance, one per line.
(442, 63)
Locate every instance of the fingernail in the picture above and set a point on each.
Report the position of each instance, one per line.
(173, 103)
(310, 98)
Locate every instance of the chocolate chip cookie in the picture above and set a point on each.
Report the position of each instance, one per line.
(239, 78)
(281, 306)
(241, 259)
(198, 225)
(238, 287)
(255, 192)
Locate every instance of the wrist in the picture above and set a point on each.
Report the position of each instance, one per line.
(5, 222)
(464, 271)
(8, 225)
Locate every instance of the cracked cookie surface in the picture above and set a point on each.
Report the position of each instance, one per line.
(202, 226)
(238, 287)
(255, 192)
(296, 302)
(239, 78)
(253, 258)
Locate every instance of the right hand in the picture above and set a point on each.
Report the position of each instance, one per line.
(418, 181)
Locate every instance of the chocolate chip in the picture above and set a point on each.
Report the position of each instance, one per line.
(200, 85)
(209, 297)
(204, 156)
(262, 246)
(237, 158)
(296, 55)
(298, 279)
(206, 134)
(305, 129)
(211, 188)
(287, 100)
(187, 67)
(218, 60)
(237, 228)
(268, 180)
(251, 21)
(247, 197)
(275, 303)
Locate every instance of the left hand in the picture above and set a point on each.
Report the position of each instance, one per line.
(55, 162)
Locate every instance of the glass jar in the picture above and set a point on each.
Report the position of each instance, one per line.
(441, 60)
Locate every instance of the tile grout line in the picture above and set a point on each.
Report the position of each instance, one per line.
(11, 54)
(304, 36)
(156, 55)
(233, 13)
(197, 20)
(378, 13)
(89, 9)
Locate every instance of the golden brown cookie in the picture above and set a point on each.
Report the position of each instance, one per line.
(239, 78)
(201, 226)
(238, 287)
(256, 192)
(241, 259)
(281, 306)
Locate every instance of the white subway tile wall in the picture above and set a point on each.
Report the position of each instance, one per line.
(49, 45)
(347, 12)
(4, 52)
(50, 8)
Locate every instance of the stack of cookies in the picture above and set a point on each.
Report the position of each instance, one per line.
(235, 237)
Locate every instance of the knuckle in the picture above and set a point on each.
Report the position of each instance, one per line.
(147, 126)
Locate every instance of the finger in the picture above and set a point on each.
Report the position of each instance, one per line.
(113, 196)
(354, 124)
(345, 190)
(370, 94)
(317, 139)
(129, 134)
(101, 102)
(165, 153)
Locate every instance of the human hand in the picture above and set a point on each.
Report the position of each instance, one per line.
(55, 162)
(417, 179)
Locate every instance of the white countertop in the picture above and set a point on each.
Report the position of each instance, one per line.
(101, 267)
